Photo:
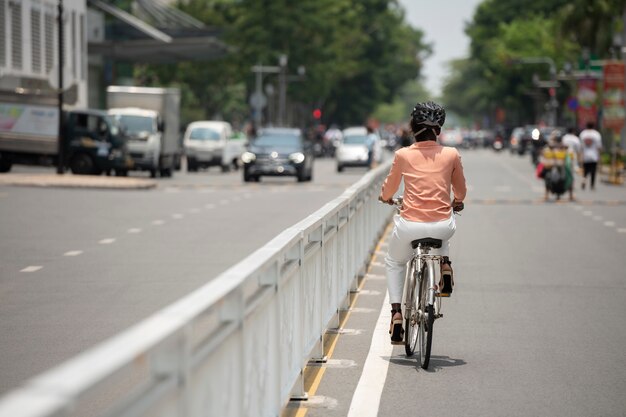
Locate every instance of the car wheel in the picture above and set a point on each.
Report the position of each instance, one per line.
(82, 164)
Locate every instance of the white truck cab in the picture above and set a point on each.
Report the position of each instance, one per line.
(143, 130)
(211, 143)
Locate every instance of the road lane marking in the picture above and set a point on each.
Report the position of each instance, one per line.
(247, 196)
(194, 211)
(209, 206)
(609, 224)
(177, 216)
(73, 253)
(106, 241)
(134, 230)
(366, 398)
(621, 230)
(158, 222)
(587, 213)
(224, 202)
(597, 218)
(32, 268)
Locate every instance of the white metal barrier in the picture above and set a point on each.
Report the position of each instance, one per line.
(238, 345)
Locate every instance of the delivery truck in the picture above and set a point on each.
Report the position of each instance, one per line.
(149, 118)
(29, 134)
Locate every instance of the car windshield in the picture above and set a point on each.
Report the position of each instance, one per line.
(278, 141)
(113, 125)
(136, 125)
(355, 140)
(204, 133)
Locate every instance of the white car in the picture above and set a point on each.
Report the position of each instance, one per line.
(211, 143)
(353, 152)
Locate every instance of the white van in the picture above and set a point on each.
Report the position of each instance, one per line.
(211, 143)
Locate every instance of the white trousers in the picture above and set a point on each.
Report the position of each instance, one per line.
(400, 250)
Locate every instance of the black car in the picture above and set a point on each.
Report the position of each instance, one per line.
(278, 152)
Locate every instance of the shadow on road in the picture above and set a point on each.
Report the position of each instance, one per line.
(436, 362)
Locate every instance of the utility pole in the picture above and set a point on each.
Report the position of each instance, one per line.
(61, 144)
(282, 90)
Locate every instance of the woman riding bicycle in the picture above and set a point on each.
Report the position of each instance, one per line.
(430, 171)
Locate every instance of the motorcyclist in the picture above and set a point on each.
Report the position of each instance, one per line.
(557, 160)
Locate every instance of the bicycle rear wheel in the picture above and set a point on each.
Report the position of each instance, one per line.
(426, 322)
(426, 335)
(411, 318)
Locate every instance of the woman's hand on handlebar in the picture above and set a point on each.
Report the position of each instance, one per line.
(390, 201)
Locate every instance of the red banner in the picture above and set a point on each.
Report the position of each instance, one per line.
(613, 97)
(587, 95)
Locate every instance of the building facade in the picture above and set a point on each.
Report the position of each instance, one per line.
(29, 47)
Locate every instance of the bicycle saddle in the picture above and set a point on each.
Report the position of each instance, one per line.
(427, 242)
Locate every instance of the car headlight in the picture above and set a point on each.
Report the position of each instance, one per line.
(248, 157)
(535, 134)
(297, 157)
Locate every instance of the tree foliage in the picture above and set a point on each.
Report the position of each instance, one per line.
(357, 53)
(506, 34)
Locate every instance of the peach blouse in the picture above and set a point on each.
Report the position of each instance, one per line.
(429, 171)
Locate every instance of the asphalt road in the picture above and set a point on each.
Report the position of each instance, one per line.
(535, 326)
(78, 266)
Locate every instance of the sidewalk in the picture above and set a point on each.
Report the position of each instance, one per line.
(69, 180)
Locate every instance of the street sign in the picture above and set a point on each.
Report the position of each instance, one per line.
(613, 99)
(258, 100)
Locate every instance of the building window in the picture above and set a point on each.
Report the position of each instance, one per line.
(49, 41)
(35, 37)
(3, 36)
(16, 35)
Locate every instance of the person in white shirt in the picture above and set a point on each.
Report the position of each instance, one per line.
(591, 142)
(574, 148)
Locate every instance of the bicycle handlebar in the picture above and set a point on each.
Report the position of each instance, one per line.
(457, 207)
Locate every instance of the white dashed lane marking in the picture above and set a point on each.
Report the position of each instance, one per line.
(31, 268)
(597, 218)
(609, 224)
(194, 211)
(106, 241)
(209, 206)
(134, 230)
(224, 202)
(158, 222)
(621, 230)
(587, 213)
(73, 253)
(177, 216)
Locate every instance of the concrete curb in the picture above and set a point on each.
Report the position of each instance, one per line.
(76, 181)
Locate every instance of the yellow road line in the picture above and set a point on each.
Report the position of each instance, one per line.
(319, 372)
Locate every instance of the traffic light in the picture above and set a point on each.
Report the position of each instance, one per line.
(317, 114)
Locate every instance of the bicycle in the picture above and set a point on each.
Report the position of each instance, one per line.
(422, 299)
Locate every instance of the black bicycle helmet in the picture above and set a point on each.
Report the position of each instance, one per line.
(428, 114)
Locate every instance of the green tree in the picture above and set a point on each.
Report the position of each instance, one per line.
(356, 54)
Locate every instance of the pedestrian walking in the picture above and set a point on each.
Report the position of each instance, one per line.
(591, 141)
(574, 147)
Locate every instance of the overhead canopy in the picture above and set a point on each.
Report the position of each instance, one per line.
(181, 38)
